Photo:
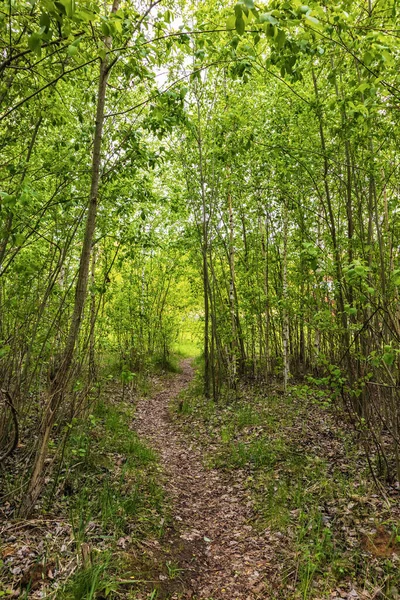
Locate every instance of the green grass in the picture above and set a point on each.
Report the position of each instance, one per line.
(113, 490)
(258, 453)
(247, 416)
(173, 569)
(91, 581)
(187, 348)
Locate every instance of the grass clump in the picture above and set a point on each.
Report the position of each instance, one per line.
(187, 349)
(91, 581)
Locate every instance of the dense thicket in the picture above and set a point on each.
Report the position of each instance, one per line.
(234, 165)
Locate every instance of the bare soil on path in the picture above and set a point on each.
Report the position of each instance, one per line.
(221, 555)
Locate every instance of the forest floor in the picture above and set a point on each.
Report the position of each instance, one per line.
(271, 498)
(215, 547)
(261, 496)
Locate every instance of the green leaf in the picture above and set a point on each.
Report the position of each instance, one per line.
(270, 30)
(360, 270)
(388, 58)
(231, 22)
(238, 11)
(396, 277)
(268, 18)
(280, 38)
(34, 43)
(239, 24)
(4, 350)
(117, 25)
(61, 8)
(368, 57)
(105, 28)
(69, 6)
(249, 3)
(364, 86)
(72, 50)
(7, 199)
(19, 239)
(389, 357)
(312, 20)
(45, 21)
(85, 15)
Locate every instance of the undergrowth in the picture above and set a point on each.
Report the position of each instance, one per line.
(308, 481)
(104, 500)
(113, 495)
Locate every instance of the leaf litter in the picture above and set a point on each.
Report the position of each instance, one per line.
(220, 541)
(231, 559)
(340, 537)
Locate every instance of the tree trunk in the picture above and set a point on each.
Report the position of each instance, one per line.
(92, 340)
(285, 322)
(233, 361)
(332, 227)
(63, 372)
(206, 284)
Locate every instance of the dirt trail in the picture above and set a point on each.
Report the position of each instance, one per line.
(229, 559)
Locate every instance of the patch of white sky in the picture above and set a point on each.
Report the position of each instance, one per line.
(163, 75)
(178, 67)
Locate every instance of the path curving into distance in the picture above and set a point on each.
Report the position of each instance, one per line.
(225, 557)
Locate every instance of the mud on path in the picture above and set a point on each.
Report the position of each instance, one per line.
(224, 557)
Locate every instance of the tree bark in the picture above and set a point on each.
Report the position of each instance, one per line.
(63, 371)
(206, 284)
(285, 322)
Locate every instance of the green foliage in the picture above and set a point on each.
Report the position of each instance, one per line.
(247, 213)
(91, 582)
(257, 454)
(119, 496)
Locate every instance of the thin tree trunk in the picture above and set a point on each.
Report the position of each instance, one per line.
(336, 251)
(63, 372)
(93, 313)
(233, 366)
(206, 285)
(285, 321)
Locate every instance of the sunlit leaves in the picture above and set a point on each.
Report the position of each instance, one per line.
(239, 20)
(230, 23)
(34, 43)
(268, 18)
(72, 50)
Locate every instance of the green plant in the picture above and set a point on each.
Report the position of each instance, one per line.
(80, 515)
(173, 570)
(91, 581)
(247, 415)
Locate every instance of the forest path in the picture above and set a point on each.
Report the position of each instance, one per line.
(226, 558)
